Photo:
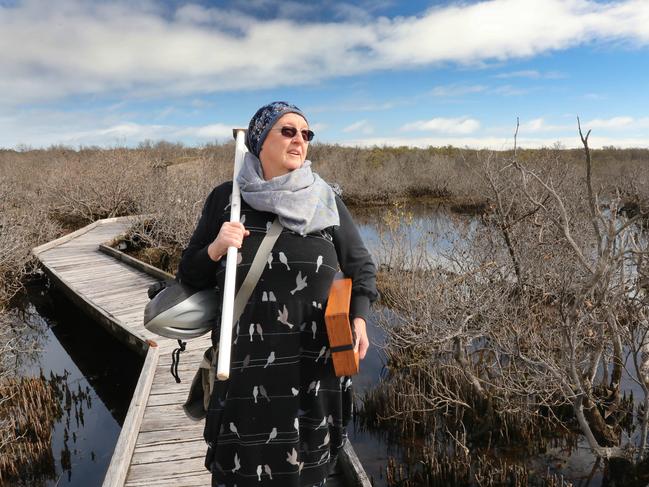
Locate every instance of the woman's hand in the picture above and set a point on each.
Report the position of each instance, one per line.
(231, 234)
(362, 342)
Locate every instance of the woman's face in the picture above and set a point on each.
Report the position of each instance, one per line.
(280, 155)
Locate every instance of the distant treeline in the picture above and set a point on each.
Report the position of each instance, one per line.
(374, 175)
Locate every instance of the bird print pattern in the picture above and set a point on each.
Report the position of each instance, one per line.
(280, 418)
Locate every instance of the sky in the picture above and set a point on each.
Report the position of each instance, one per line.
(366, 73)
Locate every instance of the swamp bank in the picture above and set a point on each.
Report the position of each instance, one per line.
(522, 319)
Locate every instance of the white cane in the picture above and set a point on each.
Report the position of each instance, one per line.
(225, 340)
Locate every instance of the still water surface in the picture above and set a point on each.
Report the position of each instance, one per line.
(98, 372)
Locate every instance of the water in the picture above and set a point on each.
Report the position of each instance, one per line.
(438, 230)
(100, 374)
(392, 232)
(371, 449)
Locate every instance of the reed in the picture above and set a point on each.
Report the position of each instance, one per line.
(443, 468)
(29, 408)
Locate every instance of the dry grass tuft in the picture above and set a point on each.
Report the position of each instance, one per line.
(28, 409)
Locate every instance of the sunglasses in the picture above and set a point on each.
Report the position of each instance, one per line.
(290, 132)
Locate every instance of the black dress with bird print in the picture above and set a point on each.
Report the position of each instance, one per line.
(280, 419)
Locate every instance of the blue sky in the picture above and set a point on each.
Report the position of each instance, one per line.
(114, 73)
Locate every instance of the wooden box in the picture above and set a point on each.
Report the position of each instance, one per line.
(339, 330)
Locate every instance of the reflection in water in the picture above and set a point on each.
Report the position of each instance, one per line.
(94, 377)
(438, 230)
(420, 229)
(372, 449)
(28, 409)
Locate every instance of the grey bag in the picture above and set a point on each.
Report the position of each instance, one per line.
(200, 391)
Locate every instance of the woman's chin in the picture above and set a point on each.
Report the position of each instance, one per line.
(293, 163)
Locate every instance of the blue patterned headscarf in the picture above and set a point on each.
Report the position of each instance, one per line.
(263, 121)
(302, 200)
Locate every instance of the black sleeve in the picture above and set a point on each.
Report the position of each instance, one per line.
(355, 262)
(196, 268)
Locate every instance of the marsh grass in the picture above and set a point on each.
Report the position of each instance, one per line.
(46, 193)
(29, 409)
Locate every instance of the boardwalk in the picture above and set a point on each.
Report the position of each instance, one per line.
(158, 445)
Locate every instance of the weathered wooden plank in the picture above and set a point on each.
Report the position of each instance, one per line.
(178, 473)
(169, 452)
(78, 250)
(188, 364)
(136, 310)
(138, 264)
(173, 420)
(167, 398)
(131, 316)
(193, 429)
(105, 295)
(116, 474)
(127, 297)
(172, 412)
(193, 480)
(120, 289)
(132, 338)
(121, 303)
(351, 467)
(73, 263)
(166, 384)
(127, 303)
(193, 352)
(82, 272)
(103, 274)
(65, 238)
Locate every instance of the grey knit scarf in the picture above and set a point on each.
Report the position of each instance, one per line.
(304, 202)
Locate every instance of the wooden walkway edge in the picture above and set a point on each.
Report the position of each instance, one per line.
(121, 459)
(158, 444)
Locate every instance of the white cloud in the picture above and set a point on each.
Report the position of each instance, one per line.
(530, 74)
(536, 125)
(457, 126)
(509, 90)
(456, 90)
(318, 127)
(609, 123)
(129, 134)
(362, 126)
(358, 106)
(600, 126)
(43, 128)
(50, 50)
(216, 131)
(498, 143)
(594, 96)
(631, 125)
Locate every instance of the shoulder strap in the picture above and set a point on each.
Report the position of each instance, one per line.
(249, 283)
(256, 269)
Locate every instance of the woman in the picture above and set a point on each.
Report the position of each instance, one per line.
(280, 419)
